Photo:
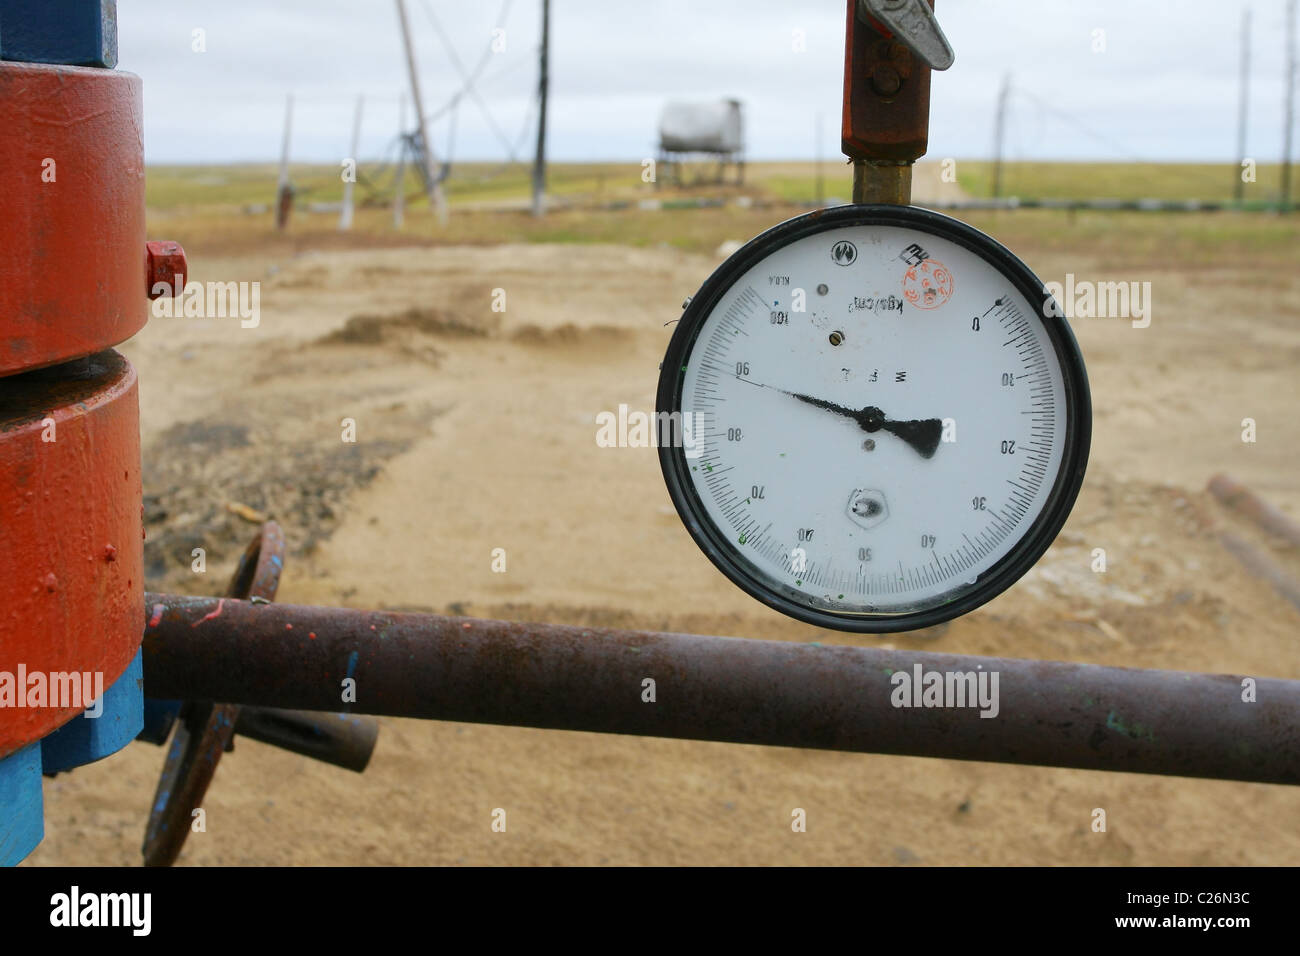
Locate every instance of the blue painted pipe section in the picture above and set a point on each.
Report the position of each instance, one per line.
(22, 818)
(85, 739)
(70, 32)
(82, 740)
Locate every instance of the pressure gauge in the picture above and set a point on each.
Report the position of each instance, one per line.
(873, 418)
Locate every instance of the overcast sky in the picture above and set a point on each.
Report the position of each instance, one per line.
(1164, 88)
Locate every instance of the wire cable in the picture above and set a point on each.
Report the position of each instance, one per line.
(468, 78)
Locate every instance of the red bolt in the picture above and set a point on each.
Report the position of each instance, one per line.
(165, 266)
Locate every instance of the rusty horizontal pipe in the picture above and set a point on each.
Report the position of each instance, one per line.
(344, 740)
(1257, 562)
(720, 688)
(1267, 516)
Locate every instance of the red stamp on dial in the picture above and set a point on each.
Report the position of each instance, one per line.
(927, 285)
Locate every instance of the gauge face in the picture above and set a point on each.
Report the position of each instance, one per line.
(873, 418)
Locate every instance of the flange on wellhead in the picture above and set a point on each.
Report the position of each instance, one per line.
(74, 276)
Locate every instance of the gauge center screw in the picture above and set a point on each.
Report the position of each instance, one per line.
(867, 507)
(871, 419)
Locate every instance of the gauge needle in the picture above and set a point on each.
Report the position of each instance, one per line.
(923, 434)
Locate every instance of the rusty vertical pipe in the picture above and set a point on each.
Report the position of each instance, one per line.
(719, 688)
(886, 116)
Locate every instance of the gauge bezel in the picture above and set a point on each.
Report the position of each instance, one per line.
(994, 580)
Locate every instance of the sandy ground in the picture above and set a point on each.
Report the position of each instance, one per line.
(476, 430)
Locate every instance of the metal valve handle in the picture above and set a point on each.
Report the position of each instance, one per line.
(913, 24)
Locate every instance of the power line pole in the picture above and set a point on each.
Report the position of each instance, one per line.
(399, 188)
(1239, 187)
(345, 216)
(1290, 105)
(433, 185)
(539, 161)
(999, 129)
(284, 189)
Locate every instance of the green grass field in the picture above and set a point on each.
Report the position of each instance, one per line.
(171, 187)
(1204, 181)
(208, 209)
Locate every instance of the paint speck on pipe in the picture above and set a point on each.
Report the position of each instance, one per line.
(210, 615)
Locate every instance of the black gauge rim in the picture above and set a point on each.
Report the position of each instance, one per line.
(1037, 538)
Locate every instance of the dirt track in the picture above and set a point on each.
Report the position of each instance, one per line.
(476, 430)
